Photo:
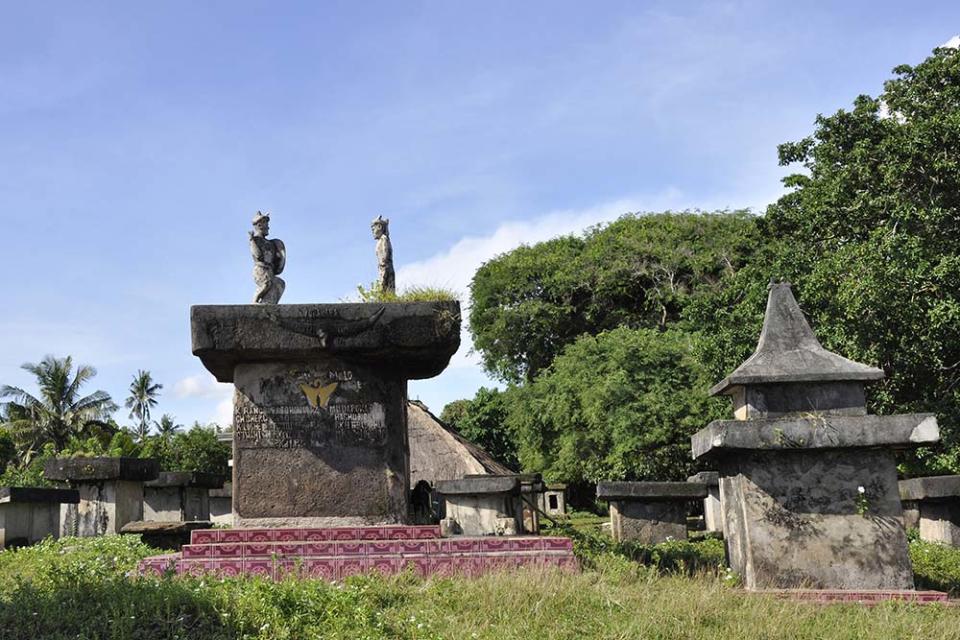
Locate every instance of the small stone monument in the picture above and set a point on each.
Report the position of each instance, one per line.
(269, 259)
(649, 512)
(110, 492)
(932, 505)
(320, 429)
(179, 496)
(30, 514)
(808, 480)
(387, 281)
(481, 505)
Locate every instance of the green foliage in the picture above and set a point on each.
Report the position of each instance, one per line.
(195, 450)
(8, 449)
(620, 405)
(640, 272)
(936, 566)
(81, 588)
(374, 293)
(28, 471)
(870, 236)
(482, 420)
(58, 412)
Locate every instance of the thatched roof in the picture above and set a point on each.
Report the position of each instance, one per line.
(438, 452)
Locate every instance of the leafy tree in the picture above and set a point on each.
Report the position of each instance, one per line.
(870, 236)
(482, 420)
(195, 450)
(619, 405)
(167, 426)
(58, 412)
(640, 271)
(8, 449)
(142, 398)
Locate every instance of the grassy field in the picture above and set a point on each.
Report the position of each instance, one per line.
(79, 589)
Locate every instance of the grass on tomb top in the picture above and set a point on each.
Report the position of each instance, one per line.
(79, 588)
(374, 293)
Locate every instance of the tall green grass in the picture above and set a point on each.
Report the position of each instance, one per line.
(80, 589)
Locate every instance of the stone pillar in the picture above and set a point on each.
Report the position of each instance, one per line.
(221, 505)
(932, 505)
(808, 480)
(481, 505)
(320, 433)
(712, 517)
(30, 514)
(179, 496)
(110, 491)
(649, 512)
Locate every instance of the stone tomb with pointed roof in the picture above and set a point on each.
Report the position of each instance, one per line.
(808, 480)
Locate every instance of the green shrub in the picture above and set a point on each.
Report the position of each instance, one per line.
(374, 293)
(936, 566)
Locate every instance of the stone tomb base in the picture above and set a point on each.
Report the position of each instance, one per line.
(312, 446)
(932, 505)
(481, 505)
(179, 496)
(797, 519)
(650, 512)
(28, 514)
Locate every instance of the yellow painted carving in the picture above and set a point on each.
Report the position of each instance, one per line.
(319, 394)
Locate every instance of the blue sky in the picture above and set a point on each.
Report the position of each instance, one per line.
(138, 139)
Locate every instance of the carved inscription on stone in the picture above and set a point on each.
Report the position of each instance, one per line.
(304, 410)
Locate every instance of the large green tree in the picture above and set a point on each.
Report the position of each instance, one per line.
(640, 271)
(870, 236)
(482, 420)
(619, 405)
(143, 397)
(58, 412)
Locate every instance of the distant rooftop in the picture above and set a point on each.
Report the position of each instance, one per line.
(789, 351)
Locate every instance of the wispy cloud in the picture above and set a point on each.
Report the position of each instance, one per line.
(952, 43)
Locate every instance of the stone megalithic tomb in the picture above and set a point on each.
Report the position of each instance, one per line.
(30, 514)
(649, 512)
(110, 492)
(808, 480)
(179, 496)
(320, 432)
(932, 505)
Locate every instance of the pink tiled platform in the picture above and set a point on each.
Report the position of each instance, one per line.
(868, 596)
(337, 553)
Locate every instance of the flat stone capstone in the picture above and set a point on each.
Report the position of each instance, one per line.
(651, 491)
(930, 488)
(479, 485)
(38, 494)
(96, 469)
(196, 479)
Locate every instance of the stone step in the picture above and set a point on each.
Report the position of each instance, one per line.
(376, 547)
(339, 567)
(279, 534)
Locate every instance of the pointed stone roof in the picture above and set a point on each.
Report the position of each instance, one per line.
(789, 351)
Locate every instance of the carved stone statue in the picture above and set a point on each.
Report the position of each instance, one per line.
(381, 233)
(269, 258)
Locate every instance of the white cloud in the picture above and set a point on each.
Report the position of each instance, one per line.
(224, 411)
(952, 43)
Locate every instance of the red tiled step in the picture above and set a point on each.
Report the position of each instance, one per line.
(343, 548)
(866, 596)
(337, 568)
(386, 532)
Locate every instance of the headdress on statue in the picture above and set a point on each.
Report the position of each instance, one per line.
(380, 221)
(260, 217)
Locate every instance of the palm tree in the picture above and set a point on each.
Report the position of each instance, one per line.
(58, 412)
(142, 398)
(166, 426)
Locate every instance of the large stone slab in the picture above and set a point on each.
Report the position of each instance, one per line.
(932, 505)
(816, 432)
(797, 519)
(179, 496)
(320, 431)
(412, 340)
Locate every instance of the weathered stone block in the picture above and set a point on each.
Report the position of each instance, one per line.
(649, 512)
(932, 505)
(479, 505)
(111, 492)
(320, 433)
(797, 519)
(179, 496)
(712, 515)
(30, 514)
(221, 505)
